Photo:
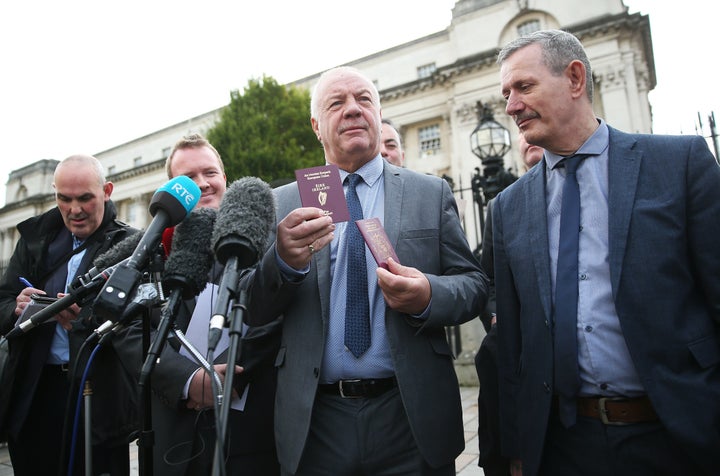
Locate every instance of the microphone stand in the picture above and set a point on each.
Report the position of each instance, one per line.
(236, 313)
(146, 436)
(167, 323)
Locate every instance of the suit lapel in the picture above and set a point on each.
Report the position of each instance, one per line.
(393, 200)
(623, 172)
(536, 209)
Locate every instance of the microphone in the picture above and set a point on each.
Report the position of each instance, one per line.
(186, 273)
(188, 266)
(103, 262)
(145, 295)
(79, 294)
(169, 206)
(84, 286)
(246, 214)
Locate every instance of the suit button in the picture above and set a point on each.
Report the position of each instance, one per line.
(547, 323)
(546, 387)
(316, 372)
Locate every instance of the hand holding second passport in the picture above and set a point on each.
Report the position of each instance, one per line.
(405, 289)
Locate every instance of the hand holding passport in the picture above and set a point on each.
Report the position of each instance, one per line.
(321, 187)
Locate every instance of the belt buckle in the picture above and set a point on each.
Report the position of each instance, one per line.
(342, 392)
(604, 411)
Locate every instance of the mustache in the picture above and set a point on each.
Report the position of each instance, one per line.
(523, 117)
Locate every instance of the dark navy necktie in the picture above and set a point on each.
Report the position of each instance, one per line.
(567, 378)
(357, 307)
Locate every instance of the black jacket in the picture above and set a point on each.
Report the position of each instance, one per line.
(114, 408)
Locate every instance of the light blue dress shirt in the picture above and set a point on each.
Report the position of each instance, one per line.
(338, 362)
(60, 346)
(605, 364)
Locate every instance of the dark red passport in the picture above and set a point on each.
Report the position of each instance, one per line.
(377, 241)
(321, 187)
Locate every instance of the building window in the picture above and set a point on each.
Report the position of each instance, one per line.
(426, 70)
(429, 139)
(137, 161)
(132, 213)
(530, 26)
(166, 152)
(111, 170)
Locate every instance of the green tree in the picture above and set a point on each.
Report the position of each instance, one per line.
(265, 132)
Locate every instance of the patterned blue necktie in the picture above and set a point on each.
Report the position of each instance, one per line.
(567, 378)
(357, 308)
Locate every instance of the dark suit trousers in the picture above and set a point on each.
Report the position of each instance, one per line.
(359, 436)
(591, 448)
(242, 461)
(37, 448)
(490, 460)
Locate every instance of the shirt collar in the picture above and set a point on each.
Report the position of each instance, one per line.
(77, 241)
(370, 172)
(596, 144)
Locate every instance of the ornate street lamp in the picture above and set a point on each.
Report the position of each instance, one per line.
(489, 141)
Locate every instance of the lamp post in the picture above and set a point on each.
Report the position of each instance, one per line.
(489, 141)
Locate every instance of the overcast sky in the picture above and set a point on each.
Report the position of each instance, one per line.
(82, 76)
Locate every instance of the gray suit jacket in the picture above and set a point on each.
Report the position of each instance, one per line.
(664, 224)
(422, 223)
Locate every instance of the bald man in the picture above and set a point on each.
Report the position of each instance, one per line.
(53, 248)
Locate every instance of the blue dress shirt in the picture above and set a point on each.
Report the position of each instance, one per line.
(605, 365)
(60, 346)
(338, 362)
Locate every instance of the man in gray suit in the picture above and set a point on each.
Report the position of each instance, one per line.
(393, 407)
(629, 384)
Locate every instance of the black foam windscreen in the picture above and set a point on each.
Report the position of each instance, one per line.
(122, 249)
(191, 258)
(246, 214)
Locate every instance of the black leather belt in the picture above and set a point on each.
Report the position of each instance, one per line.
(359, 388)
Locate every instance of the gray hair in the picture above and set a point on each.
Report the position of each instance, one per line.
(340, 69)
(559, 49)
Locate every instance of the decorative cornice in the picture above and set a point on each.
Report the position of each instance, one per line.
(487, 59)
(442, 75)
(35, 200)
(44, 165)
(137, 171)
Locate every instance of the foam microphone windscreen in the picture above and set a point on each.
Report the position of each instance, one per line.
(246, 214)
(188, 265)
(123, 249)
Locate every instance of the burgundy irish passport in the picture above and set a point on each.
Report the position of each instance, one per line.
(321, 187)
(377, 241)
